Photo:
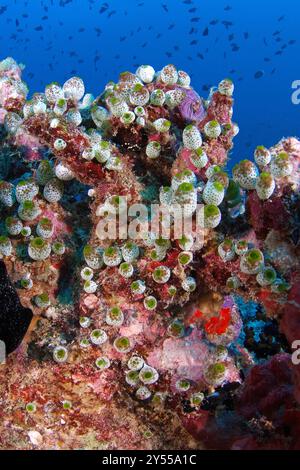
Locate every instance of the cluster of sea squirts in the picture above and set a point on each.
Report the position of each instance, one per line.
(149, 130)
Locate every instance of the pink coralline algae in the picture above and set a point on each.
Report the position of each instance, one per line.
(158, 340)
(183, 356)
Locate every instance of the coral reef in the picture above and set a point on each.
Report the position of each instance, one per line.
(160, 341)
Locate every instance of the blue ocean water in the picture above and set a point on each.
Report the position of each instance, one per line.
(256, 43)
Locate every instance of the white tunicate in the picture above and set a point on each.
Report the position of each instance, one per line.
(88, 154)
(39, 108)
(90, 287)
(169, 75)
(191, 137)
(99, 115)
(27, 110)
(63, 173)
(135, 363)
(74, 88)
(74, 117)
(54, 123)
(143, 393)
(53, 190)
(174, 98)
(86, 101)
(59, 144)
(98, 337)
(145, 73)
(184, 79)
(53, 93)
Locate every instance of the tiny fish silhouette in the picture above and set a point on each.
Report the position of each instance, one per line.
(258, 74)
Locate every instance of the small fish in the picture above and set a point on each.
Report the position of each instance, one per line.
(103, 8)
(62, 3)
(227, 24)
(258, 74)
(205, 32)
(235, 47)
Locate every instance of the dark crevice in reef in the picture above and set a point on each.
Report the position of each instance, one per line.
(14, 318)
(11, 162)
(237, 227)
(38, 353)
(76, 202)
(224, 396)
(270, 341)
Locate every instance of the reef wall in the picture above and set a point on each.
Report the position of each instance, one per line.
(158, 342)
